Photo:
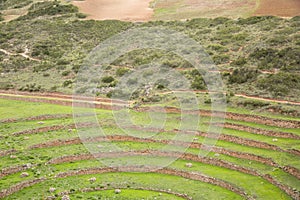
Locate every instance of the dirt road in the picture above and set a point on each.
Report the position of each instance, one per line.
(128, 10)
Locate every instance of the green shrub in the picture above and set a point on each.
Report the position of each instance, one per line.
(253, 104)
(277, 40)
(81, 15)
(43, 66)
(65, 73)
(31, 87)
(287, 58)
(121, 71)
(221, 59)
(280, 84)
(49, 8)
(218, 21)
(241, 61)
(198, 83)
(218, 48)
(243, 75)
(67, 83)
(240, 37)
(162, 83)
(253, 20)
(1, 17)
(107, 79)
(6, 86)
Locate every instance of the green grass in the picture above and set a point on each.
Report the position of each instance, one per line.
(253, 185)
(126, 194)
(196, 189)
(20, 109)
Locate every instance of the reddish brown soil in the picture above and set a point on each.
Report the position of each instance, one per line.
(129, 10)
(259, 131)
(283, 8)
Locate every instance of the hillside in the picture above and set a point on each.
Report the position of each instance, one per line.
(151, 103)
(44, 49)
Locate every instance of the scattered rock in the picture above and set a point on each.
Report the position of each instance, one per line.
(117, 191)
(189, 165)
(28, 165)
(92, 180)
(217, 155)
(70, 130)
(65, 197)
(13, 156)
(26, 138)
(24, 174)
(52, 189)
(275, 140)
(41, 122)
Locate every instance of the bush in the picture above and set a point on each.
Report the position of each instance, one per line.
(287, 58)
(240, 37)
(121, 71)
(65, 73)
(218, 48)
(6, 86)
(49, 8)
(253, 104)
(253, 20)
(162, 83)
(221, 59)
(81, 15)
(241, 61)
(107, 79)
(243, 75)
(280, 84)
(67, 83)
(32, 87)
(43, 66)
(1, 17)
(198, 83)
(278, 40)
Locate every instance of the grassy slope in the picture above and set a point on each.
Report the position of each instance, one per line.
(238, 47)
(43, 155)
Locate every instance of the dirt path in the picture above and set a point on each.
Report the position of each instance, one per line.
(128, 10)
(268, 100)
(106, 100)
(20, 54)
(244, 96)
(105, 103)
(282, 8)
